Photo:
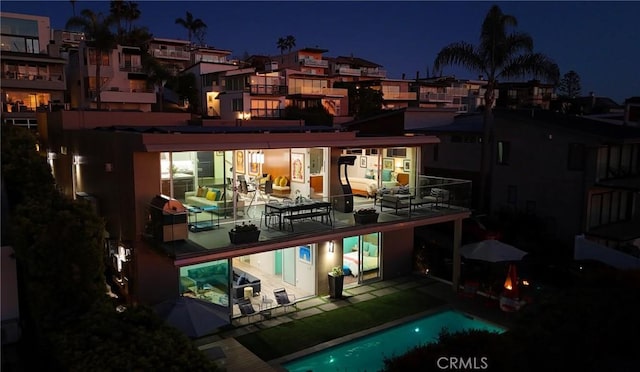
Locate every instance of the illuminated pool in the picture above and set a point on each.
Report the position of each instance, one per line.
(368, 352)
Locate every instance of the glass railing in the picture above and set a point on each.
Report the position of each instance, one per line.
(280, 219)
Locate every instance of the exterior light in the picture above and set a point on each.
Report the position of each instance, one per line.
(331, 247)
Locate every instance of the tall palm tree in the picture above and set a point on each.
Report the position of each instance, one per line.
(73, 6)
(132, 13)
(282, 44)
(97, 30)
(117, 11)
(501, 54)
(290, 42)
(192, 25)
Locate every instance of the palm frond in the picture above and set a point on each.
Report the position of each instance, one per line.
(460, 53)
(534, 64)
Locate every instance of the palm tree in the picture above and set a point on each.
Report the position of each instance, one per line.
(282, 44)
(192, 25)
(96, 28)
(73, 6)
(117, 11)
(500, 55)
(290, 42)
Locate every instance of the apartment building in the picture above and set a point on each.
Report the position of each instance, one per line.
(160, 252)
(123, 82)
(33, 77)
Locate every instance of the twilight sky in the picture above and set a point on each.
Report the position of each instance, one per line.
(600, 40)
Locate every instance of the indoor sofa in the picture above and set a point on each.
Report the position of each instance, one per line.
(241, 280)
(212, 198)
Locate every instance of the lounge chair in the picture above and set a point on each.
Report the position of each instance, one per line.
(246, 308)
(284, 299)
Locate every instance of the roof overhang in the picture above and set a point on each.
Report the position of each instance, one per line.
(158, 142)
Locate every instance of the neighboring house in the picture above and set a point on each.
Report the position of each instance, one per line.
(173, 54)
(344, 69)
(578, 174)
(156, 257)
(33, 78)
(124, 83)
(531, 94)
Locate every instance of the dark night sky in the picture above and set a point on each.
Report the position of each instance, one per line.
(599, 40)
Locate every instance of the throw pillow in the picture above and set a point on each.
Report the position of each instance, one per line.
(205, 190)
(218, 194)
(200, 192)
(373, 250)
(386, 175)
(240, 279)
(277, 181)
(211, 195)
(369, 176)
(283, 181)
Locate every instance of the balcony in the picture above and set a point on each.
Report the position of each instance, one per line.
(171, 54)
(436, 97)
(130, 68)
(33, 81)
(374, 73)
(421, 212)
(399, 96)
(348, 71)
(268, 90)
(312, 62)
(266, 113)
(331, 92)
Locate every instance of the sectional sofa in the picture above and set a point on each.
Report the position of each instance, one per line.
(212, 197)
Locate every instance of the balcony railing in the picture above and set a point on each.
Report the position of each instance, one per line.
(401, 96)
(266, 113)
(312, 62)
(129, 68)
(332, 92)
(436, 199)
(349, 71)
(374, 72)
(273, 90)
(27, 76)
(173, 54)
(436, 97)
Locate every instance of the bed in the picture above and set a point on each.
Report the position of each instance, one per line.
(350, 261)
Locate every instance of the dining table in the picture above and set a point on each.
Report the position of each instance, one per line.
(291, 209)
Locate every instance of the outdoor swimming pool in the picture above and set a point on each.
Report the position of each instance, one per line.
(368, 352)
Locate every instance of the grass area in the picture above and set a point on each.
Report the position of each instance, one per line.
(294, 336)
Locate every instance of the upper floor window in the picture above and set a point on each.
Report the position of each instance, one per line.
(504, 152)
(237, 104)
(93, 57)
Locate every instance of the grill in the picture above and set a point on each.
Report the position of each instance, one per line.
(168, 219)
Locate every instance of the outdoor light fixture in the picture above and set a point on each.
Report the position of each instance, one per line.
(76, 159)
(331, 248)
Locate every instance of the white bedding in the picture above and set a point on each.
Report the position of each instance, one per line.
(351, 261)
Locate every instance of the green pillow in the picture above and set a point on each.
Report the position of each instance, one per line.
(386, 175)
(218, 194)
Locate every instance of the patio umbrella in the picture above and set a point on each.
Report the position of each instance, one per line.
(193, 316)
(492, 251)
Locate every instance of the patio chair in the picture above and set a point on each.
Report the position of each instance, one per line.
(247, 309)
(284, 299)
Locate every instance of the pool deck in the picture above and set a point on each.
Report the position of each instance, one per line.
(235, 357)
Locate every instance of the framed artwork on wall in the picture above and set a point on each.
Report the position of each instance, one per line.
(240, 161)
(407, 165)
(387, 163)
(304, 254)
(297, 167)
(363, 162)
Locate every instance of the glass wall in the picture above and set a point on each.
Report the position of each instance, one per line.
(361, 257)
(208, 281)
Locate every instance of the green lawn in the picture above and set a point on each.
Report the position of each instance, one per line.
(300, 334)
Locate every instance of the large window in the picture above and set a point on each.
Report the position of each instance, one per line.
(265, 108)
(208, 281)
(93, 57)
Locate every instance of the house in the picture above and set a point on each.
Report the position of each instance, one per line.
(344, 69)
(532, 93)
(577, 174)
(162, 246)
(124, 83)
(33, 77)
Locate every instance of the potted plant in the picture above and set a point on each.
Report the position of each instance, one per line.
(336, 282)
(245, 233)
(365, 215)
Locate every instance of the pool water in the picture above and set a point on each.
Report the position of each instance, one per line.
(367, 353)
